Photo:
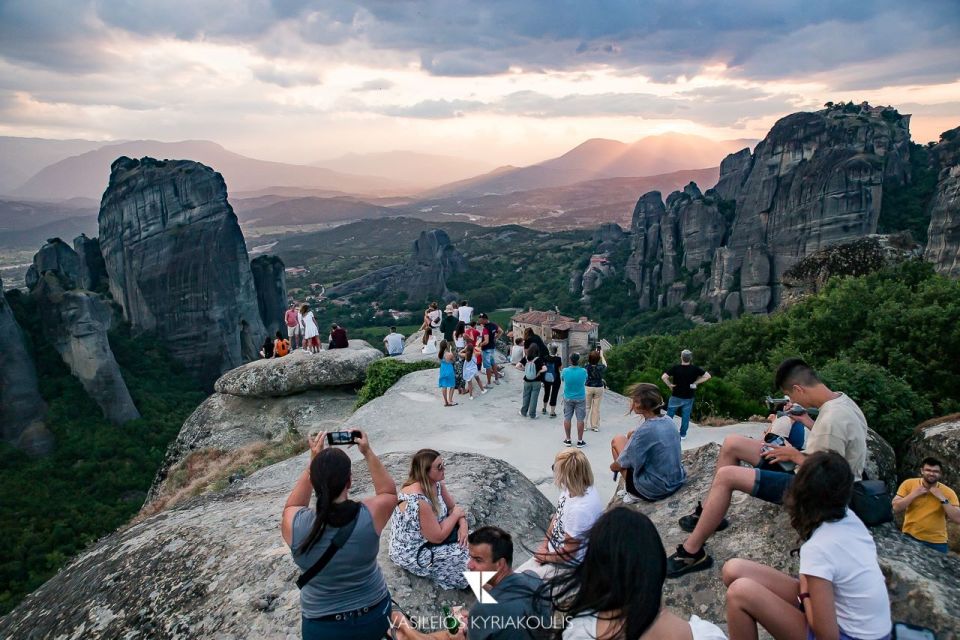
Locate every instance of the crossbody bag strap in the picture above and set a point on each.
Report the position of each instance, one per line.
(335, 545)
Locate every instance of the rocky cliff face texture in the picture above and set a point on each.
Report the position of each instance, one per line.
(814, 181)
(56, 255)
(424, 277)
(216, 567)
(93, 271)
(943, 236)
(76, 322)
(22, 409)
(270, 281)
(177, 262)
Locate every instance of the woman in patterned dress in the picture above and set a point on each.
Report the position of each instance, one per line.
(427, 513)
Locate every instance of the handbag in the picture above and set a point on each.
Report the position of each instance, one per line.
(871, 502)
(452, 538)
(336, 544)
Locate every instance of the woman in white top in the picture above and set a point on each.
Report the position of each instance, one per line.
(616, 592)
(840, 594)
(431, 321)
(311, 333)
(578, 508)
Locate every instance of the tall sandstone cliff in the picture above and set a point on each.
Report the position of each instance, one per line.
(943, 236)
(177, 262)
(22, 409)
(270, 281)
(816, 180)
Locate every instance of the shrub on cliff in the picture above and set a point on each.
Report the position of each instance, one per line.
(383, 374)
(889, 339)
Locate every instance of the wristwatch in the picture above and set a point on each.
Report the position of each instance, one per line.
(944, 502)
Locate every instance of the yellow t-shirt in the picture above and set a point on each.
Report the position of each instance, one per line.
(924, 518)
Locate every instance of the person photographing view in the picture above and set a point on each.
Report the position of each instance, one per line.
(348, 597)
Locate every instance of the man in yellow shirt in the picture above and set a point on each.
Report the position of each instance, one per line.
(928, 504)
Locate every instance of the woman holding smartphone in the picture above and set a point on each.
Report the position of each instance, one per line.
(348, 598)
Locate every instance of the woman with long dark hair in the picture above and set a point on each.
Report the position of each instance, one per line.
(840, 593)
(428, 537)
(348, 598)
(616, 593)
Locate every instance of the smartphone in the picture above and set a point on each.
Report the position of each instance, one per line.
(904, 631)
(342, 437)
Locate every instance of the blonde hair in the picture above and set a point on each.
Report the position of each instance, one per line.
(572, 471)
(644, 395)
(420, 473)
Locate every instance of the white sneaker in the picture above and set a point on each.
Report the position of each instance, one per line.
(621, 493)
(682, 438)
(483, 392)
(629, 499)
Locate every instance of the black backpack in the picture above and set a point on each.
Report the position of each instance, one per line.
(871, 502)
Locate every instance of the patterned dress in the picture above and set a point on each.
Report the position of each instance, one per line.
(449, 561)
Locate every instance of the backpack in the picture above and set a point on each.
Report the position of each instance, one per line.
(551, 373)
(530, 371)
(871, 502)
(281, 347)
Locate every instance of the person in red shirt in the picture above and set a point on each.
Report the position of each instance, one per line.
(294, 326)
(338, 337)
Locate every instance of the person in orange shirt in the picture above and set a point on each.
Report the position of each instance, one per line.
(928, 503)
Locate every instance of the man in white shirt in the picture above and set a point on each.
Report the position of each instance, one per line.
(393, 343)
(465, 312)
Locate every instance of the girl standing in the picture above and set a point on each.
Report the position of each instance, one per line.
(311, 332)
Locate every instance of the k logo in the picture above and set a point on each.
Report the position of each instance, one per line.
(476, 580)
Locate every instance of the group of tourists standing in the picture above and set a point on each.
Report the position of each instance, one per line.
(302, 333)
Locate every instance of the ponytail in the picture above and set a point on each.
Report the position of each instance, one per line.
(329, 475)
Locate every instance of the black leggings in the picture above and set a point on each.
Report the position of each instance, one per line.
(550, 392)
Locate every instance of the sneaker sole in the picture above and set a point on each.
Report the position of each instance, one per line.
(702, 565)
(685, 527)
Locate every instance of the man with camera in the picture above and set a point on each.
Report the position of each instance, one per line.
(840, 426)
(927, 503)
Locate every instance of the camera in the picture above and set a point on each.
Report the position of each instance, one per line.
(343, 437)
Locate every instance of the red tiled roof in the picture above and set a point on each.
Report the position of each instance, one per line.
(540, 317)
(575, 326)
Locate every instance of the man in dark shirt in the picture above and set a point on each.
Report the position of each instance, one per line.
(449, 323)
(338, 337)
(514, 606)
(683, 379)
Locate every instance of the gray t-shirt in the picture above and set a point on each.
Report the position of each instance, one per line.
(520, 613)
(352, 579)
(653, 454)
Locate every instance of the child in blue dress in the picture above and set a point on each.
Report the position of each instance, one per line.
(448, 377)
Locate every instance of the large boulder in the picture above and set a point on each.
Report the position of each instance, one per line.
(177, 262)
(299, 371)
(938, 438)
(216, 567)
(943, 234)
(22, 409)
(76, 322)
(924, 585)
(270, 281)
(225, 422)
(55, 255)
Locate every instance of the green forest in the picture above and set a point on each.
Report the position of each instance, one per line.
(97, 478)
(888, 339)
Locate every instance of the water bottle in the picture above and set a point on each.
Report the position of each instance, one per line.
(450, 622)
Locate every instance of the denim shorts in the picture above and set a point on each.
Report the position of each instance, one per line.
(770, 486)
(488, 358)
(575, 406)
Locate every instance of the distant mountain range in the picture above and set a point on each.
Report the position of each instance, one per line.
(21, 158)
(86, 175)
(29, 224)
(599, 158)
(418, 170)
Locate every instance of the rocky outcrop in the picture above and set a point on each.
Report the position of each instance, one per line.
(815, 181)
(938, 438)
(225, 422)
(300, 371)
(93, 270)
(270, 281)
(424, 277)
(217, 567)
(177, 262)
(55, 255)
(76, 323)
(22, 409)
(943, 236)
(924, 585)
(608, 237)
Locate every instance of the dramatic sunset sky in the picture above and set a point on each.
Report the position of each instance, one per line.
(511, 81)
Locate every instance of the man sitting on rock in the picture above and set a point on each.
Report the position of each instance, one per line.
(928, 503)
(521, 611)
(338, 337)
(394, 343)
(840, 426)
